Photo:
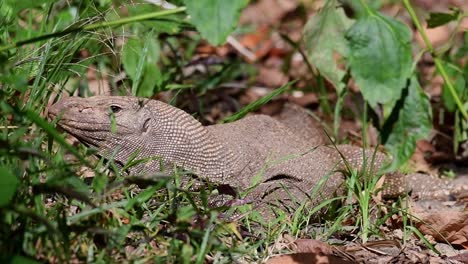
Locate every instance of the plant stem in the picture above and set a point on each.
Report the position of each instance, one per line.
(441, 69)
(438, 62)
(418, 25)
(94, 26)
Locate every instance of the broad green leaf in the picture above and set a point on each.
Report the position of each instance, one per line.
(132, 54)
(414, 123)
(151, 79)
(438, 19)
(8, 185)
(458, 81)
(358, 9)
(379, 57)
(215, 19)
(139, 59)
(324, 36)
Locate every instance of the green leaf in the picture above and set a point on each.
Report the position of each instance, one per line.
(24, 4)
(414, 123)
(151, 78)
(438, 19)
(139, 58)
(8, 185)
(99, 183)
(130, 56)
(134, 51)
(380, 57)
(215, 19)
(141, 197)
(458, 81)
(324, 36)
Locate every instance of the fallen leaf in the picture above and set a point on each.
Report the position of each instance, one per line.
(272, 108)
(424, 146)
(312, 246)
(304, 99)
(303, 258)
(258, 42)
(267, 11)
(271, 77)
(437, 36)
(441, 222)
(423, 149)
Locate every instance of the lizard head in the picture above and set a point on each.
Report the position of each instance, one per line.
(101, 120)
(120, 126)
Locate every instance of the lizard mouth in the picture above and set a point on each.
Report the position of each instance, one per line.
(71, 125)
(86, 134)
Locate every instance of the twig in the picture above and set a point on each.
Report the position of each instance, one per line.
(241, 49)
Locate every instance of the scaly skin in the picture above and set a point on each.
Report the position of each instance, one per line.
(257, 150)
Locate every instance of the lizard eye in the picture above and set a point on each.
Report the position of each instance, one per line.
(115, 109)
(146, 125)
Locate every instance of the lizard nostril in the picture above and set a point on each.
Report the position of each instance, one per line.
(78, 108)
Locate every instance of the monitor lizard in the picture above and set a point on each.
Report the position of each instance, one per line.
(289, 151)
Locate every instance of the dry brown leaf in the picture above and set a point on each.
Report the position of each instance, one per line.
(272, 108)
(303, 258)
(258, 42)
(267, 11)
(304, 100)
(207, 49)
(312, 246)
(435, 86)
(437, 36)
(441, 222)
(271, 77)
(305, 251)
(423, 148)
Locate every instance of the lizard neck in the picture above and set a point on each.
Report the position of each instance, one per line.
(198, 151)
(179, 139)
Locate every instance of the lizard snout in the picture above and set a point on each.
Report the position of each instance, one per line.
(54, 110)
(62, 107)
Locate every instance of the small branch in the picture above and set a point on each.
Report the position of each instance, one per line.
(241, 49)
